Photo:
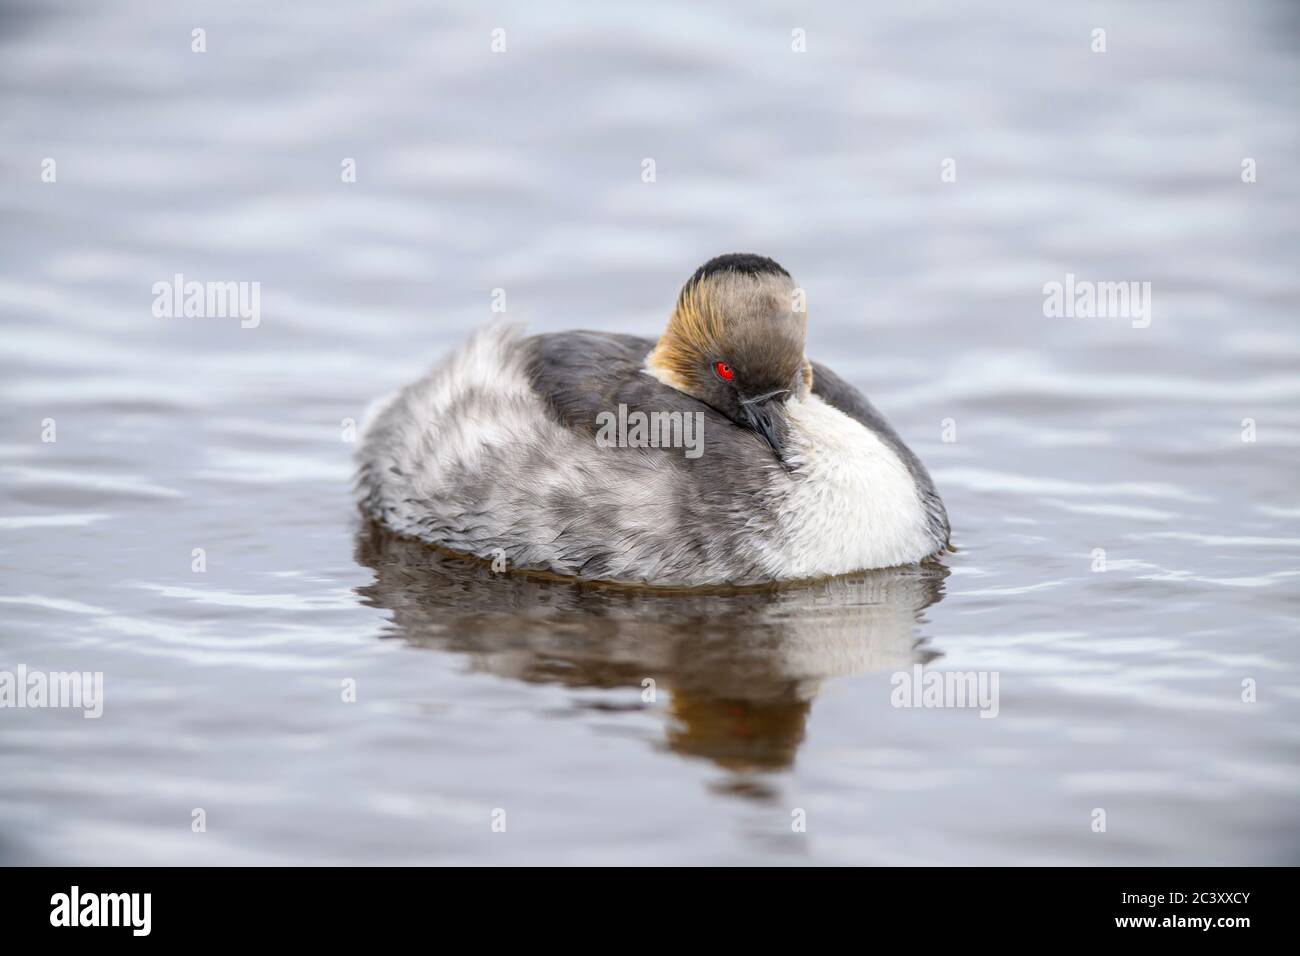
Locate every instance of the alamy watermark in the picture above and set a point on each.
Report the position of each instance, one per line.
(1085, 299)
(626, 429)
(178, 299)
(130, 910)
(945, 689)
(78, 690)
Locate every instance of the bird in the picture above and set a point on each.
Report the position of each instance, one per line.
(717, 454)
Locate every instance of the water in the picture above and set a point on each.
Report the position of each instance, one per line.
(1120, 690)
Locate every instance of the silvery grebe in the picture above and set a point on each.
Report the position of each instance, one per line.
(717, 454)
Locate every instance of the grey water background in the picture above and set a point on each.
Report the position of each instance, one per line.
(1119, 689)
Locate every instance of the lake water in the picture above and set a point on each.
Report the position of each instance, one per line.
(1124, 498)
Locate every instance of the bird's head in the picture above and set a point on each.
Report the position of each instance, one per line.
(735, 341)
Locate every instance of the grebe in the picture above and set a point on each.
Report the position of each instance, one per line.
(715, 455)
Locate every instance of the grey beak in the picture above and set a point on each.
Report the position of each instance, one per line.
(758, 414)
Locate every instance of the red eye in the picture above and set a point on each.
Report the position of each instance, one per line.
(724, 371)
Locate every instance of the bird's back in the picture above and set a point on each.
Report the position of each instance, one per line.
(494, 454)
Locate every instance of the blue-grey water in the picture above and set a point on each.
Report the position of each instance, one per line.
(1124, 498)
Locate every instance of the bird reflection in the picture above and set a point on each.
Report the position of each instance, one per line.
(739, 668)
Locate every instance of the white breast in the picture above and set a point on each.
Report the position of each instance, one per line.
(850, 503)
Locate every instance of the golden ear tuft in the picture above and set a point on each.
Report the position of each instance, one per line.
(694, 329)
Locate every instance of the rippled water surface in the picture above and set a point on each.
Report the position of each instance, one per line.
(1120, 689)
